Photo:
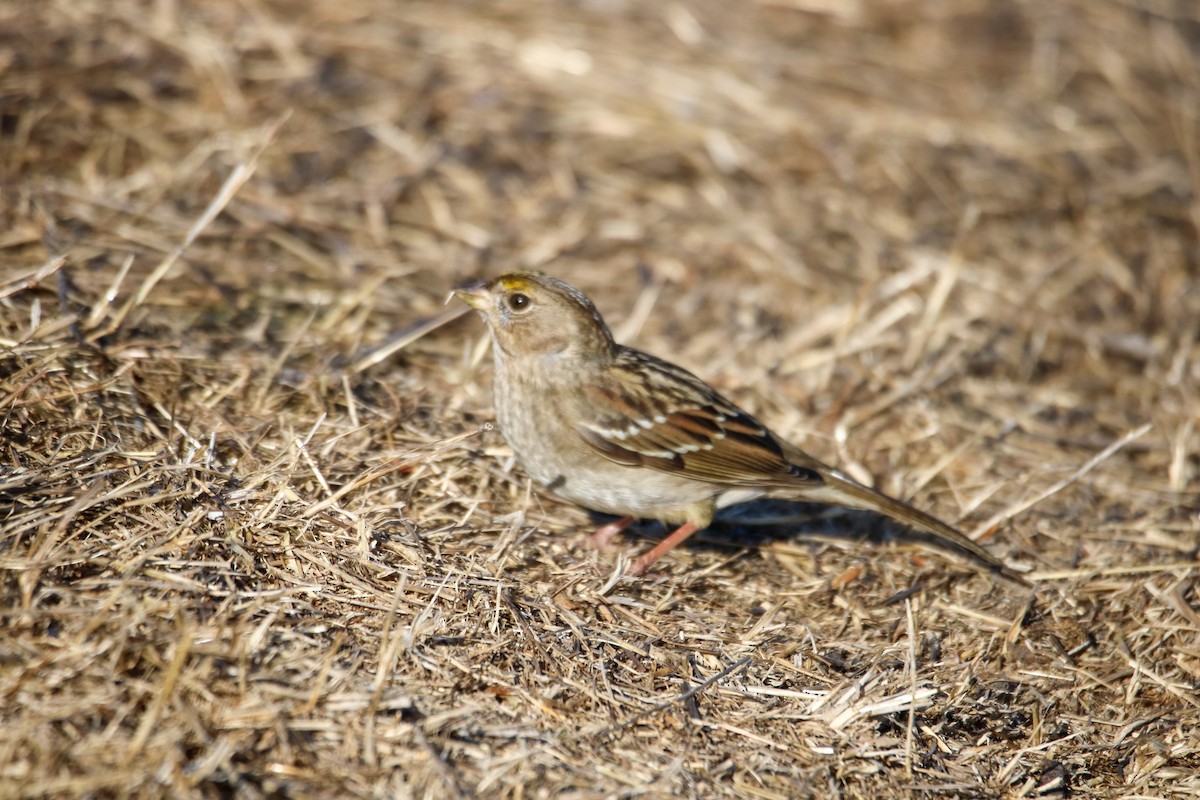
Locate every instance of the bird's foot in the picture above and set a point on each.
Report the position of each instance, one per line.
(600, 539)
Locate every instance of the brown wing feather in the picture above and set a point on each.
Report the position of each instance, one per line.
(665, 418)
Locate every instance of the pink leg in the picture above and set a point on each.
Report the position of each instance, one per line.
(662, 548)
(605, 532)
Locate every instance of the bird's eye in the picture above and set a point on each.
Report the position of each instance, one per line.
(519, 302)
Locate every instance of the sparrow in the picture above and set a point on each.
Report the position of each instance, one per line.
(622, 432)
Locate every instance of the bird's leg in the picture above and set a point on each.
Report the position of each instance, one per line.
(605, 532)
(662, 548)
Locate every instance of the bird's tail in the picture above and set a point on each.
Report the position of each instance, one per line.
(838, 489)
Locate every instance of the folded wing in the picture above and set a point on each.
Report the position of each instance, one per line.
(660, 416)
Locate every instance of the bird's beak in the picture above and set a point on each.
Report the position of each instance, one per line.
(474, 294)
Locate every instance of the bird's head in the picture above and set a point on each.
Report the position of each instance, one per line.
(531, 314)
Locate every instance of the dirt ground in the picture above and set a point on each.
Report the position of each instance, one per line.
(258, 539)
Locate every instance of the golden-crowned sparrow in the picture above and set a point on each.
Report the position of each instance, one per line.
(622, 432)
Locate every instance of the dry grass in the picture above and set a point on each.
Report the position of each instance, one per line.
(952, 245)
